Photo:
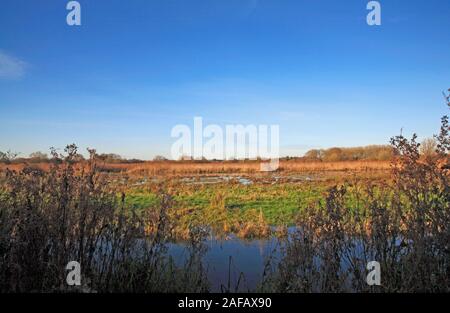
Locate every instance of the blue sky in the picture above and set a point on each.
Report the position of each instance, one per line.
(134, 69)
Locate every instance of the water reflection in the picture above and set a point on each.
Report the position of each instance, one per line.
(233, 264)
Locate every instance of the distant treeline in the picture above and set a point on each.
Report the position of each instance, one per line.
(335, 154)
(373, 152)
(40, 157)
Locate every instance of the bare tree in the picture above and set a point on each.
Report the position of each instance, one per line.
(315, 154)
(428, 147)
(159, 158)
(8, 156)
(38, 155)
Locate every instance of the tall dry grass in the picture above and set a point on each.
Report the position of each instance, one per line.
(222, 167)
(405, 226)
(70, 213)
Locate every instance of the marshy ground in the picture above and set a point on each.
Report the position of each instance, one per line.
(222, 226)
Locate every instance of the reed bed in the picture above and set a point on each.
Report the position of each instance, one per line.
(222, 167)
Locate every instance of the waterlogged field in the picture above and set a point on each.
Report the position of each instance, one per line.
(246, 217)
(223, 201)
(214, 230)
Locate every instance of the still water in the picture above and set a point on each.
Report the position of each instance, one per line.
(234, 263)
(238, 265)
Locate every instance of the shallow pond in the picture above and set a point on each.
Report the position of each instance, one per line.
(233, 264)
(238, 265)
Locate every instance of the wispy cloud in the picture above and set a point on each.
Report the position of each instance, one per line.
(11, 67)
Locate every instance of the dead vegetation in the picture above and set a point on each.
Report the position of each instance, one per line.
(69, 211)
